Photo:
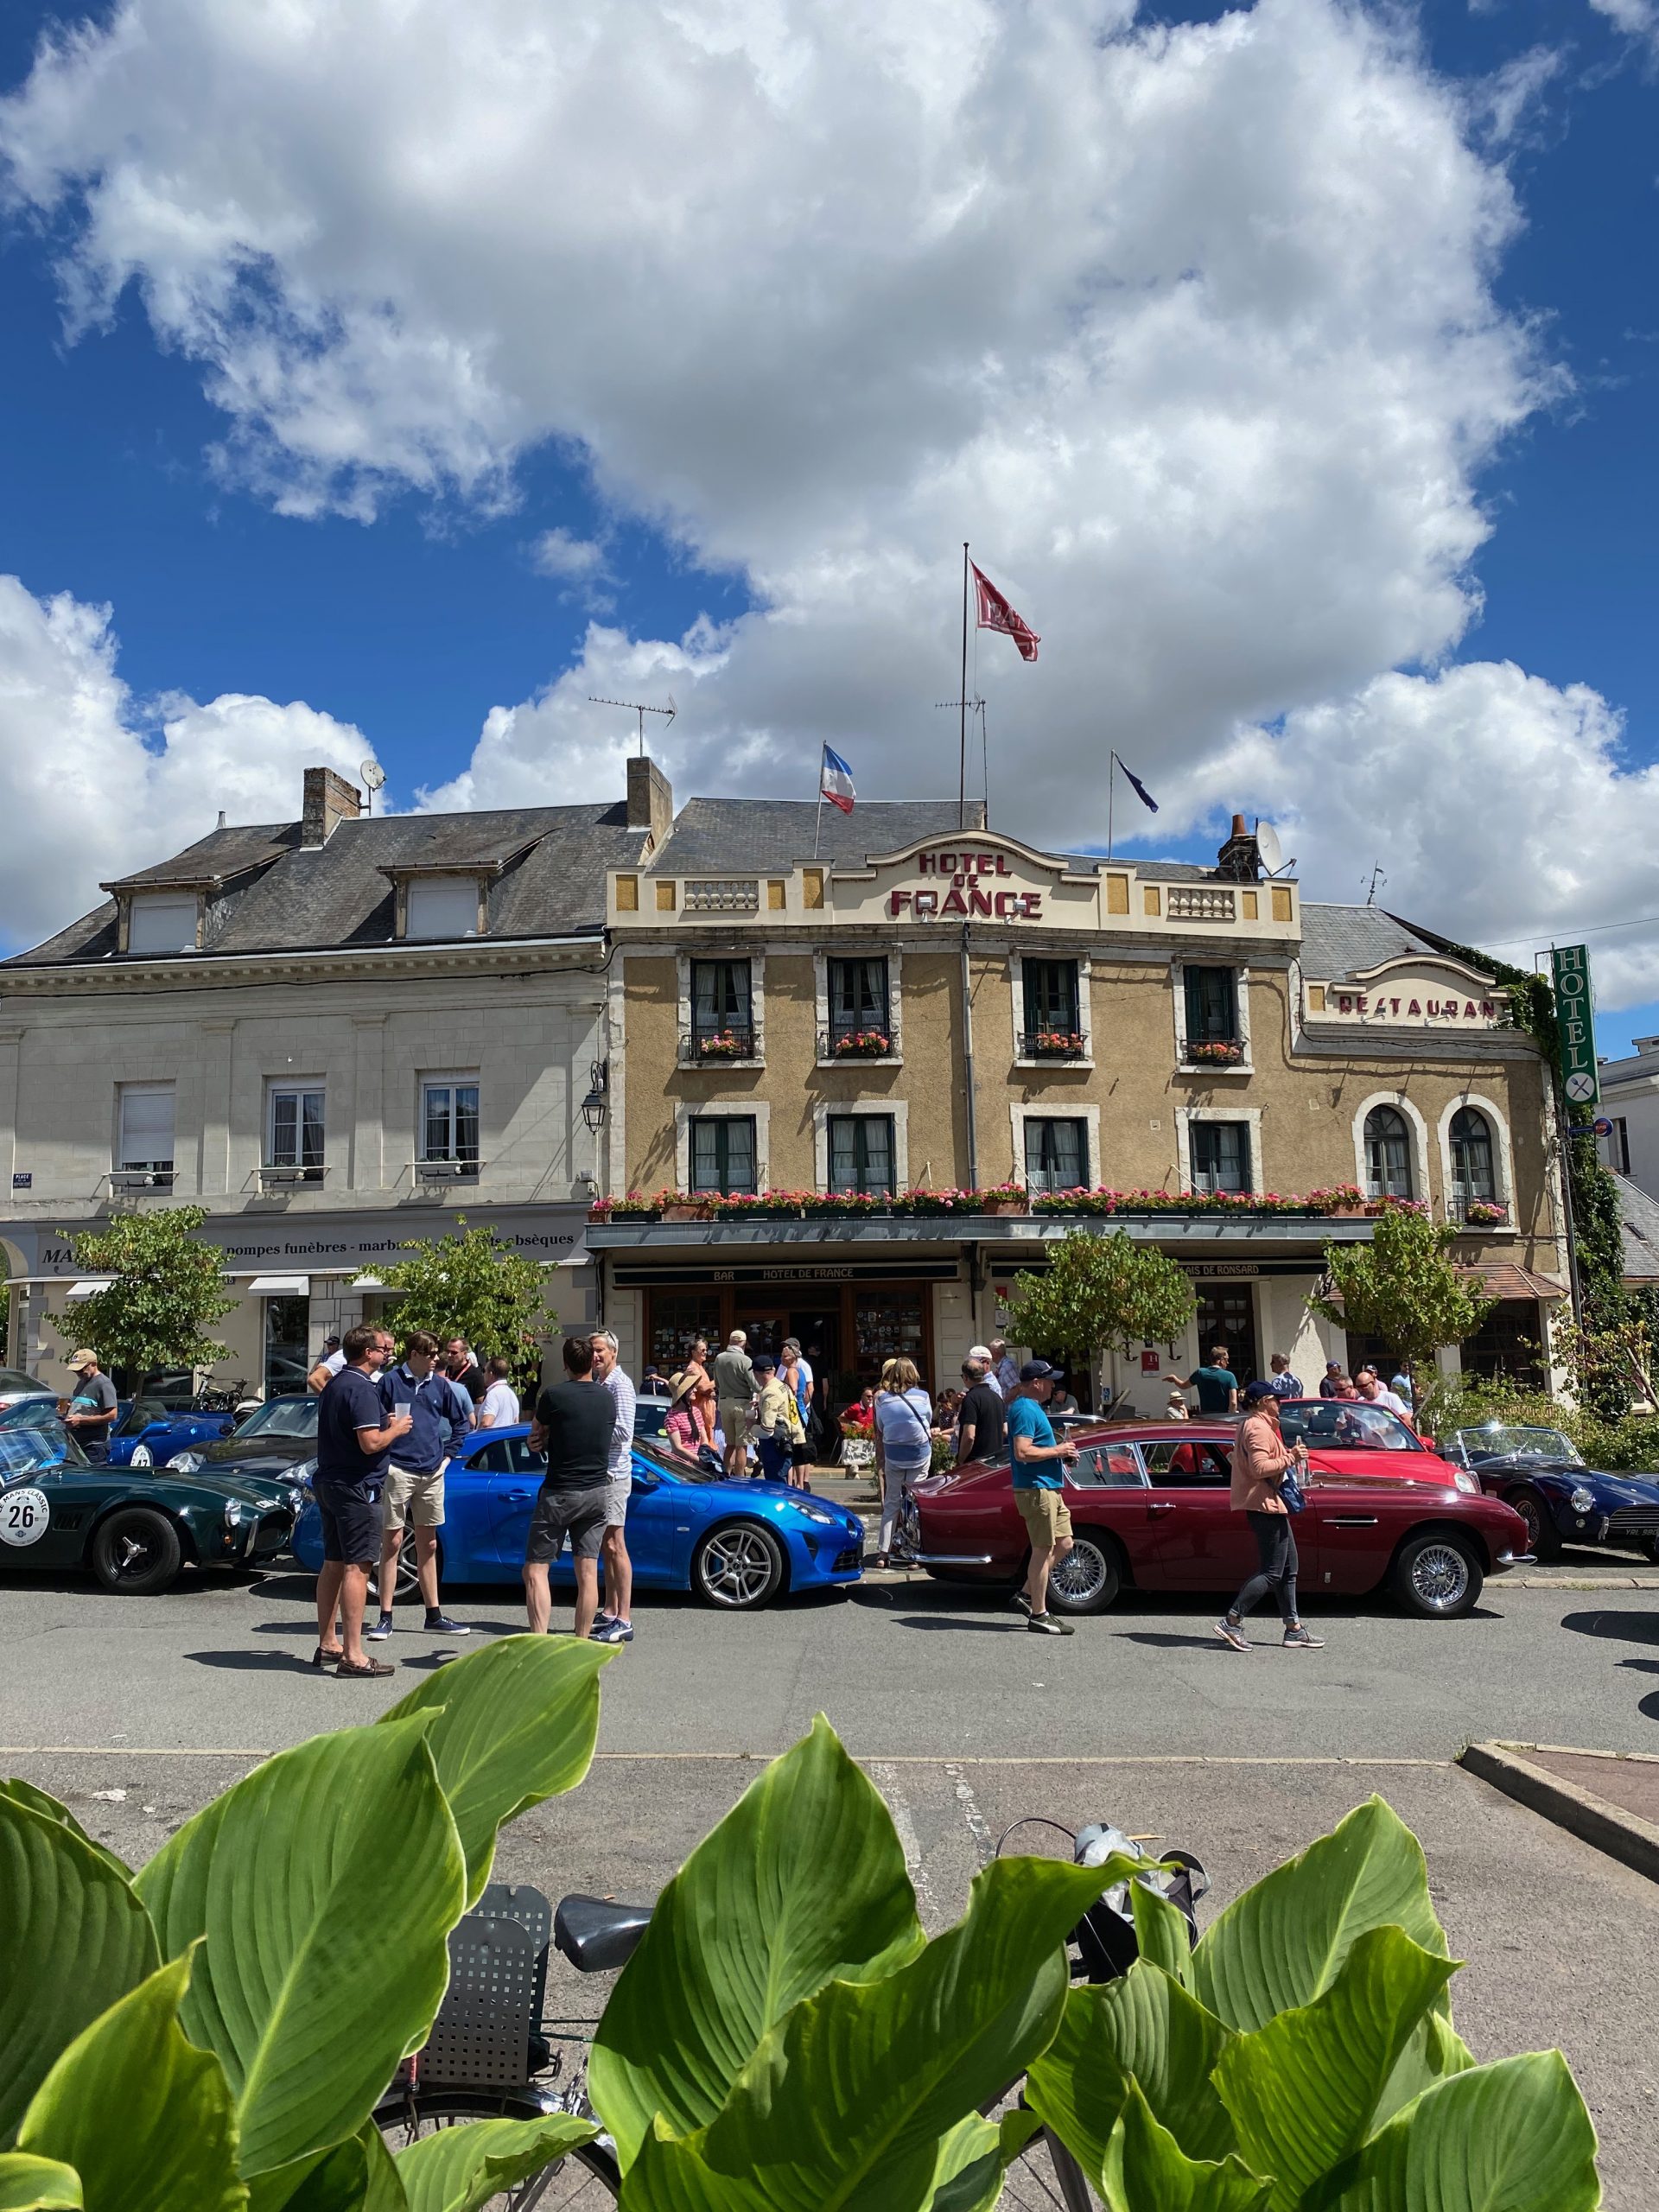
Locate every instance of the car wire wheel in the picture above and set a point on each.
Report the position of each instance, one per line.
(1542, 1541)
(1086, 1581)
(738, 1566)
(1436, 1576)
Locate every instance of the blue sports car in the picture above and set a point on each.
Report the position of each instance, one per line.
(1541, 1474)
(149, 1433)
(733, 1544)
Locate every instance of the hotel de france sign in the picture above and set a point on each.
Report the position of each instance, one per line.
(957, 883)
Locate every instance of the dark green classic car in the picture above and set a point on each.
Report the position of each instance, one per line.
(135, 1528)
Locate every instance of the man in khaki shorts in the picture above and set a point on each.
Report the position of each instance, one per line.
(1038, 1491)
(735, 1388)
(441, 1418)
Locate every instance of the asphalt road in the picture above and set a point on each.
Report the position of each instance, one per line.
(968, 1723)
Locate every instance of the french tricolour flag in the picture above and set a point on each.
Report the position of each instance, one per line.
(836, 782)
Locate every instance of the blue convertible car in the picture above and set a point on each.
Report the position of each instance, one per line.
(733, 1544)
(1540, 1473)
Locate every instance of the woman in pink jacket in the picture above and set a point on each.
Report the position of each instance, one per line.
(1262, 1459)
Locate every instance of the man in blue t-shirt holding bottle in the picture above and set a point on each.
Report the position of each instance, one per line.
(1039, 1485)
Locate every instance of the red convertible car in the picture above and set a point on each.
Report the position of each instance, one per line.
(1150, 1508)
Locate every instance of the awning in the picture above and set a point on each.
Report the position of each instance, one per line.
(1505, 1278)
(90, 1287)
(280, 1286)
(577, 1257)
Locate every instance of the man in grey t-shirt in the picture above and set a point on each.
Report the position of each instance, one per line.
(91, 1409)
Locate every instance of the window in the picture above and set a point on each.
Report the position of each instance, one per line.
(295, 1135)
(1051, 999)
(1388, 1154)
(449, 1119)
(858, 1000)
(1112, 1467)
(1192, 1466)
(1220, 1155)
(145, 1141)
(442, 907)
(287, 1358)
(860, 1151)
(157, 924)
(723, 1152)
(721, 1010)
(1056, 1154)
(1212, 1006)
(1618, 1146)
(1472, 1160)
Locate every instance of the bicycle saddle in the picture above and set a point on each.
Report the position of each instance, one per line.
(598, 1934)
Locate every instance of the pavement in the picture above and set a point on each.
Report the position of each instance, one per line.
(138, 1711)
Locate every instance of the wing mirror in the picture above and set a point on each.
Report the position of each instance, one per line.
(1428, 1443)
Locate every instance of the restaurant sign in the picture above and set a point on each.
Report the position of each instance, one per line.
(1576, 1020)
(1419, 998)
(962, 884)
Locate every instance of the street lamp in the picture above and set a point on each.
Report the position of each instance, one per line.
(595, 1108)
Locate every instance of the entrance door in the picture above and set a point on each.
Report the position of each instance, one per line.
(288, 1360)
(817, 1330)
(1227, 1315)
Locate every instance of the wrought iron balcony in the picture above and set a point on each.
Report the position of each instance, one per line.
(717, 1046)
(1052, 1044)
(871, 1040)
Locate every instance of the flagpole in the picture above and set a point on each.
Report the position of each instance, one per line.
(1111, 793)
(961, 703)
(817, 827)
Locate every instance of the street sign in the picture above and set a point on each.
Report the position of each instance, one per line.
(1573, 1012)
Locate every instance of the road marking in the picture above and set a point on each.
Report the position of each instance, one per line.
(881, 1773)
(978, 1827)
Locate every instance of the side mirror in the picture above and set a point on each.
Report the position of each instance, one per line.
(1428, 1443)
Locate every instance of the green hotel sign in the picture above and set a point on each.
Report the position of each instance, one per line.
(1576, 1015)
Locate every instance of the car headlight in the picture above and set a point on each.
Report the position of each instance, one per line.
(232, 1513)
(1582, 1500)
(1465, 1481)
(817, 1512)
(301, 1475)
(184, 1463)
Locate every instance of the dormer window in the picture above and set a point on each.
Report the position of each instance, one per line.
(443, 906)
(162, 921)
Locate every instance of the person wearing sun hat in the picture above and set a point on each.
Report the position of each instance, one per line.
(680, 1421)
(91, 1412)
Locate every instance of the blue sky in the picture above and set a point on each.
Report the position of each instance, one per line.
(411, 609)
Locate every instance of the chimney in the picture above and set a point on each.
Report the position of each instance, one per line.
(329, 800)
(651, 798)
(1239, 859)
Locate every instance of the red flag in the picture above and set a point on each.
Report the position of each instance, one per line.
(995, 613)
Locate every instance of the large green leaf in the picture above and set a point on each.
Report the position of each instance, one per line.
(512, 1725)
(1512, 2137)
(461, 2168)
(383, 2188)
(30, 2185)
(973, 2160)
(1433, 2052)
(1284, 1941)
(1160, 1931)
(1302, 2091)
(1148, 2171)
(1147, 2028)
(40, 1801)
(802, 1883)
(323, 2181)
(326, 1884)
(849, 2098)
(142, 2115)
(73, 1938)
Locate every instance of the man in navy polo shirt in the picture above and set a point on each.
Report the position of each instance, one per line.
(355, 1435)
(442, 1418)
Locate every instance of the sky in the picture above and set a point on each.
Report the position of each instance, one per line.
(383, 380)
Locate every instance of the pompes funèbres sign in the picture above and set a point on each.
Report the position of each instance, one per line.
(959, 891)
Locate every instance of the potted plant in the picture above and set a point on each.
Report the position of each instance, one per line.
(1217, 1051)
(1485, 1213)
(862, 1045)
(1005, 1199)
(636, 1206)
(724, 1045)
(1059, 1044)
(687, 1206)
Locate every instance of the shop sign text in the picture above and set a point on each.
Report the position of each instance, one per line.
(960, 890)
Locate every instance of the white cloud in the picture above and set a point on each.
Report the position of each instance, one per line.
(1637, 18)
(560, 553)
(1503, 808)
(95, 788)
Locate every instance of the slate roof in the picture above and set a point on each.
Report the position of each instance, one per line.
(720, 837)
(1632, 1066)
(1338, 942)
(1639, 1227)
(328, 897)
(218, 857)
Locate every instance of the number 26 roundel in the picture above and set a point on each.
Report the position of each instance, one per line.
(25, 1515)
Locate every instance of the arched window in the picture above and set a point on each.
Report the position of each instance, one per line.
(1472, 1160)
(1388, 1154)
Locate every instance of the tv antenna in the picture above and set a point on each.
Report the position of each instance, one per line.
(374, 776)
(637, 706)
(965, 707)
(1378, 876)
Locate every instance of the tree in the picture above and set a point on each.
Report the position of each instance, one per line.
(168, 1288)
(1102, 1290)
(1403, 1287)
(473, 1285)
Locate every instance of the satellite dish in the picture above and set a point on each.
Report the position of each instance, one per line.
(372, 774)
(1268, 844)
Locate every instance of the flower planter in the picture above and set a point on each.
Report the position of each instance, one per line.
(687, 1213)
(1004, 1208)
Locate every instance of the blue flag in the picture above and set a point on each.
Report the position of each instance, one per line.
(1141, 791)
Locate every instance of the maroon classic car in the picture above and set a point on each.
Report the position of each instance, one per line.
(1149, 1505)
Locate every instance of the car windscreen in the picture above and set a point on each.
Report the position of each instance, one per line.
(280, 1417)
(674, 1462)
(34, 1448)
(1344, 1424)
(1497, 1441)
(13, 1378)
(32, 1412)
(649, 1415)
(139, 1416)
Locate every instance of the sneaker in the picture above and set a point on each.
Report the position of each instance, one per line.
(602, 1618)
(1297, 1639)
(1231, 1634)
(614, 1631)
(440, 1625)
(1046, 1624)
(381, 1630)
(1023, 1601)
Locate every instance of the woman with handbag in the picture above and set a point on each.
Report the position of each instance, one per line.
(903, 1443)
(1266, 1491)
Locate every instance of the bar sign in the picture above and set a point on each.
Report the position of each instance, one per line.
(1573, 1011)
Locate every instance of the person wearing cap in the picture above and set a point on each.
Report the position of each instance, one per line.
(90, 1411)
(774, 1403)
(1331, 1382)
(980, 1417)
(1038, 1488)
(1060, 1400)
(1261, 1460)
(982, 1356)
(330, 1360)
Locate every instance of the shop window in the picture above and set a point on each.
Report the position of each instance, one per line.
(295, 1127)
(722, 1009)
(887, 1325)
(1057, 1153)
(1472, 1178)
(858, 1000)
(449, 1119)
(1212, 1006)
(1221, 1154)
(287, 1356)
(1388, 1154)
(860, 1151)
(678, 1317)
(144, 1133)
(723, 1152)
